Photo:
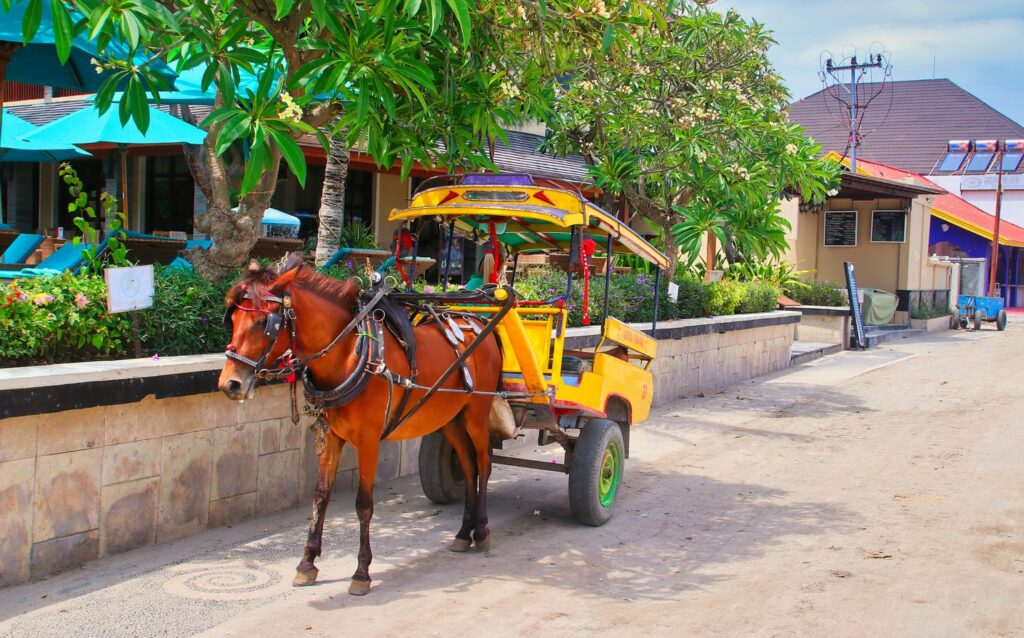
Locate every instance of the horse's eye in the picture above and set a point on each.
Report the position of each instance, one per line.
(261, 321)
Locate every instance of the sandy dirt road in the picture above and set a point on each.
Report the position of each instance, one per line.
(864, 494)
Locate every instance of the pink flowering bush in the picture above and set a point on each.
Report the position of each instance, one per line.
(63, 318)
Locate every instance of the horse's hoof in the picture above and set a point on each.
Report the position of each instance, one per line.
(459, 545)
(359, 587)
(484, 545)
(305, 578)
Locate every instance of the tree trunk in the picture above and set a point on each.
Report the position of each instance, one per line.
(332, 200)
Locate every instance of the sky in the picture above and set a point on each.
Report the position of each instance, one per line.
(978, 45)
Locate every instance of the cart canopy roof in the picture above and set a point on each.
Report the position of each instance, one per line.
(531, 215)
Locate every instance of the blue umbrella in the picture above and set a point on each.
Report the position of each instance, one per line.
(37, 62)
(89, 126)
(15, 149)
(189, 87)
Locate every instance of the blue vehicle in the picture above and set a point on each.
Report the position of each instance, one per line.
(976, 309)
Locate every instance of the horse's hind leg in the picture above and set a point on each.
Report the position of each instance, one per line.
(456, 436)
(306, 572)
(368, 452)
(476, 417)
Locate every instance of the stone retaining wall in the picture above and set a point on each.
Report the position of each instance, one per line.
(824, 324)
(102, 458)
(80, 484)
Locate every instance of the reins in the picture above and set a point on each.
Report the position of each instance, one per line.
(369, 351)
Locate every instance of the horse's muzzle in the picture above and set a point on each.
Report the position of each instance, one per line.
(239, 389)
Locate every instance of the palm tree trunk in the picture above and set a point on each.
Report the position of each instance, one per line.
(332, 200)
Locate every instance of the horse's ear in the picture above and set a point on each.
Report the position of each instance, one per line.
(285, 278)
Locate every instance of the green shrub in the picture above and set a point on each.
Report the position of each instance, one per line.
(62, 318)
(187, 313)
(820, 293)
(757, 297)
(723, 297)
(693, 296)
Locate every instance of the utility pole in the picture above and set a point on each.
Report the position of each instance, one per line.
(1000, 150)
(856, 69)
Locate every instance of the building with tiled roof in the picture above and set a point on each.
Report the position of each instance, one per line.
(908, 125)
(958, 228)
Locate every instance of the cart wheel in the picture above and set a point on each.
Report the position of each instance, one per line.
(954, 320)
(978, 318)
(596, 473)
(1001, 320)
(440, 474)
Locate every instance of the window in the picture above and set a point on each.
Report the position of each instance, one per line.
(952, 162)
(888, 226)
(359, 198)
(170, 194)
(979, 162)
(1011, 161)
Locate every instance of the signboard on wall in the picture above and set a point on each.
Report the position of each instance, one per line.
(129, 288)
(855, 314)
(888, 226)
(840, 228)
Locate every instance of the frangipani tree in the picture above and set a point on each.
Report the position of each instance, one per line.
(405, 81)
(683, 116)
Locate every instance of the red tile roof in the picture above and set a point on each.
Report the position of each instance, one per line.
(908, 124)
(947, 206)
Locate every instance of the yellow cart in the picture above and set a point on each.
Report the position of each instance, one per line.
(584, 400)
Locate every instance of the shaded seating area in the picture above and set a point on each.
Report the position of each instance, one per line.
(146, 249)
(19, 251)
(68, 257)
(274, 247)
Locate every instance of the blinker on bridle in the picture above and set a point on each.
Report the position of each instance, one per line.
(275, 321)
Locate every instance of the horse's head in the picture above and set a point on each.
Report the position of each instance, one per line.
(254, 317)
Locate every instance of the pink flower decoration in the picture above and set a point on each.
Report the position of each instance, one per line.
(155, 357)
(81, 301)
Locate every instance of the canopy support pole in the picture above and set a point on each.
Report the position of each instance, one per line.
(608, 275)
(515, 267)
(448, 255)
(657, 295)
(123, 150)
(573, 252)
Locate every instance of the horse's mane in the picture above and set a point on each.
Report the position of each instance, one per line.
(257, 280)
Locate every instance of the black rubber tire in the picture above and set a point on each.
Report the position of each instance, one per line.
(597, 436)
(978, 318)
(954, 320)
(440, 474)
(1001, 320)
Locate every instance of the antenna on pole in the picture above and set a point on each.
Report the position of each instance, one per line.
(854, 98)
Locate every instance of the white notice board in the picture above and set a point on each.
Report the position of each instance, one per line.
(129, 288)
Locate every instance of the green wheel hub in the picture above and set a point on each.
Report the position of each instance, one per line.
(611, 474)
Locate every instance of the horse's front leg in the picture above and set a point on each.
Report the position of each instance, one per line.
(306, 571)
(368, 453)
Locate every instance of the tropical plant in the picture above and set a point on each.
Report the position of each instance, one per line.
(783, 276)
(61, 318)
(684, 117)
(332, 201)
(86, 217)
(402, 80)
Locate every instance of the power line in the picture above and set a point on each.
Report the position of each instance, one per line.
(854, 99)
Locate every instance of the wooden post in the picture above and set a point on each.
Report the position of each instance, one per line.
(709, 257)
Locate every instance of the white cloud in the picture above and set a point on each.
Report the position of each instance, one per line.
(977, 45)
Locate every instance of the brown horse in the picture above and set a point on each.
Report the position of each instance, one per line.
(323, 307)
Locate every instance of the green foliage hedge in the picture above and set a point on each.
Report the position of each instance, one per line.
(61, 319)
(819, 293)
